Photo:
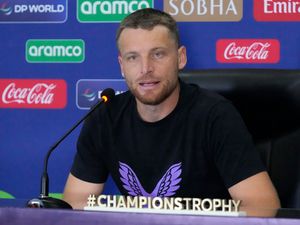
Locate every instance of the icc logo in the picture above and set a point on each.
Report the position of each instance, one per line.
(89, 95)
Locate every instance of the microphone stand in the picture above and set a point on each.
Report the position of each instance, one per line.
(44, 200)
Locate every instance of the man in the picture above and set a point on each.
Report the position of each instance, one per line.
(165, 138)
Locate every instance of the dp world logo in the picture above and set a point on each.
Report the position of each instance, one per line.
(55, 51)
(5, 8)
(88, 91)
(33, 11)
(108, 10)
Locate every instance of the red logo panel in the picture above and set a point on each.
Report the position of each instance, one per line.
(28, 93)
(277, 10)
(248, 51)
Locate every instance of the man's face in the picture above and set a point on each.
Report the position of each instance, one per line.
(150, 61)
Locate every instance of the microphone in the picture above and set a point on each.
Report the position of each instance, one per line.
(44, 201)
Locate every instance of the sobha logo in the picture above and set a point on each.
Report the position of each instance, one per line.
(56, 51)
(205, 10)
(108, 10)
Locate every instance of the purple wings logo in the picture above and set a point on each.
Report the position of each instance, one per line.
(167, 185)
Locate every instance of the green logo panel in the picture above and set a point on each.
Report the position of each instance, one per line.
(55, 51)
(6, 195)
(108, 10)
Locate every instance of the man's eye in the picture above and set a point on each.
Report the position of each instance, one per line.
(158, 55)
(131, 58)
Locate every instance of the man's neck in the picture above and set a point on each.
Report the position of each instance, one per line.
(154, 113)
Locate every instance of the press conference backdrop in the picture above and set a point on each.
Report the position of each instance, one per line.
(57, 55)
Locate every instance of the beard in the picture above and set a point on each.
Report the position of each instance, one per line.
(154, 97)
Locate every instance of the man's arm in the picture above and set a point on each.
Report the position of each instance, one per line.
(257, 194)
(77, 191)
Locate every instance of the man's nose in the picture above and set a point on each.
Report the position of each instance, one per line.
(147, 66)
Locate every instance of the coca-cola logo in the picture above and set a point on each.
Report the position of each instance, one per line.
(248, 51)
(23, 93)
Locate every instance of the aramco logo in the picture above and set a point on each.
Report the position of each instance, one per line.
(108, 11)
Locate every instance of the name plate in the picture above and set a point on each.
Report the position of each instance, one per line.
(157, 205)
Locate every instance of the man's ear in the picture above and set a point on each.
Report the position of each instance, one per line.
(121, 65)
(182, 57)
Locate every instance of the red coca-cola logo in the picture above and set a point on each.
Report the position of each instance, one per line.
(248, 51)
(276, 10)
(25, 93)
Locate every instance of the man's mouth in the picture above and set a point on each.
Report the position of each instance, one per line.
(148, 83)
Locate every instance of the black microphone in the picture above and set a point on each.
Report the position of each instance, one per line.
(44, 201)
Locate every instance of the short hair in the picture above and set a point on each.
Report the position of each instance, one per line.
(147, 19)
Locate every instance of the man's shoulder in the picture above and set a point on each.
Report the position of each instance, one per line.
(120, 103)
(117, 104)
(122, 98)
(205, 105)
(202, 96)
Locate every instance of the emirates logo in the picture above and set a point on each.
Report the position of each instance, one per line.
(23, 93)
(248, 51)
(276, 10)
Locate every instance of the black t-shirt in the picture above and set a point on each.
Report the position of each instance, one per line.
(199, 150)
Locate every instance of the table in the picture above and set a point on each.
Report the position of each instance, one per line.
(29, 216)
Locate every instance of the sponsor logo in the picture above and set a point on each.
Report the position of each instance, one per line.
(166, 186)
(33, 11)
(6, 195)
(26, 93)
(5, 8)
(88, 91)
(277, 10)
(205, 10)
(108, 10)
(248, 51)
(59, 51)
